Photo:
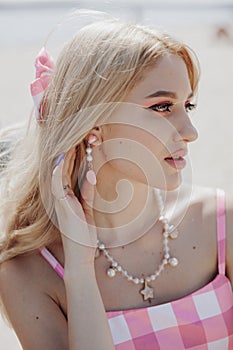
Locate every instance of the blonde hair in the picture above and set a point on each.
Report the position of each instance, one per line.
(101, 64)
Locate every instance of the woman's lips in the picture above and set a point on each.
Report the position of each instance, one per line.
(176, 159)
(179, 163)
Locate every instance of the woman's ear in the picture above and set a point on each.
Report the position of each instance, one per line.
(94, 137)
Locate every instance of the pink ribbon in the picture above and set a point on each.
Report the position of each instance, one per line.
(44, 65)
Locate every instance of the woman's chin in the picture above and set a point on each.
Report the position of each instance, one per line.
(173, 186)
(169, 184)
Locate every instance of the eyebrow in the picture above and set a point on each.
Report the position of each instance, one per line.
(166, 94)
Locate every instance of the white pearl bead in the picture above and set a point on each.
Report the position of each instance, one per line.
(114, 263)
(167, 256)
(141, 280)
(130, 278)
(119, 268)
(89, 158)
(152, 277)
(88, 150)
(111, 272)
(136, 280)
(101, 246)
(163, 219)
(173, 235)
(173, 262)
(148, 279)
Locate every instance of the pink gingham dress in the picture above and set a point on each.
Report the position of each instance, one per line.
(200, 321)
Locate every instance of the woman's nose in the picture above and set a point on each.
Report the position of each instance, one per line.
(186, 131)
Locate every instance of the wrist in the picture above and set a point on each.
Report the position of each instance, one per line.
(78, 254)
(82, 272)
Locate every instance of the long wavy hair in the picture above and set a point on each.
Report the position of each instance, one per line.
(98, 66)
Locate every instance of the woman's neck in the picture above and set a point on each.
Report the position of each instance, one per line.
(124, 209)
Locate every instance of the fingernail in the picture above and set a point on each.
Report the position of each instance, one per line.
(59, 158)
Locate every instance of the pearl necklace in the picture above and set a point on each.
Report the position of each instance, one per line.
(169, 231)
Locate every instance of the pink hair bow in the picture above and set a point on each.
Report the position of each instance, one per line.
(44, 65)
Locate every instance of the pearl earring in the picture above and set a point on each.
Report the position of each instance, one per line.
(90, 175)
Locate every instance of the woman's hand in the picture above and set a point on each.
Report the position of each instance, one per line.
(75, 219)
(84, 302)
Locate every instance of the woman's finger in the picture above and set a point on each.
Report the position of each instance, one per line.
(68, 165)
(57, 181)
(75, 221)
(72, 162)
(61, 176)
(88, 193)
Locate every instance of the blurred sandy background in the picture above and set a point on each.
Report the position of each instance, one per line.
(207, 26)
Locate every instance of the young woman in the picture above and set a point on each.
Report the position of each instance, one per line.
(104, 246)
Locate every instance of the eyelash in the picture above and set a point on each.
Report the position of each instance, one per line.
(166, 107)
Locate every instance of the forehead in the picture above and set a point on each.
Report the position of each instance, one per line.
(169, 74)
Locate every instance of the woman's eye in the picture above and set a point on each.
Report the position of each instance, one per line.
(166, 107)
(162, 107)
(190, 106)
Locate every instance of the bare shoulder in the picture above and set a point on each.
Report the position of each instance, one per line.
(229, 234)
(204, 195)
(208, 198)
(29, 300)
(202, 201)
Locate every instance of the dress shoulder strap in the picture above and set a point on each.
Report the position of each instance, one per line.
(221, 231)
(52, 261)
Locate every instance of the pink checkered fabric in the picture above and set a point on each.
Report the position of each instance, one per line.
(200, 321)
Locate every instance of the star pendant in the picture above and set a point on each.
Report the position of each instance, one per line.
(147, 292)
